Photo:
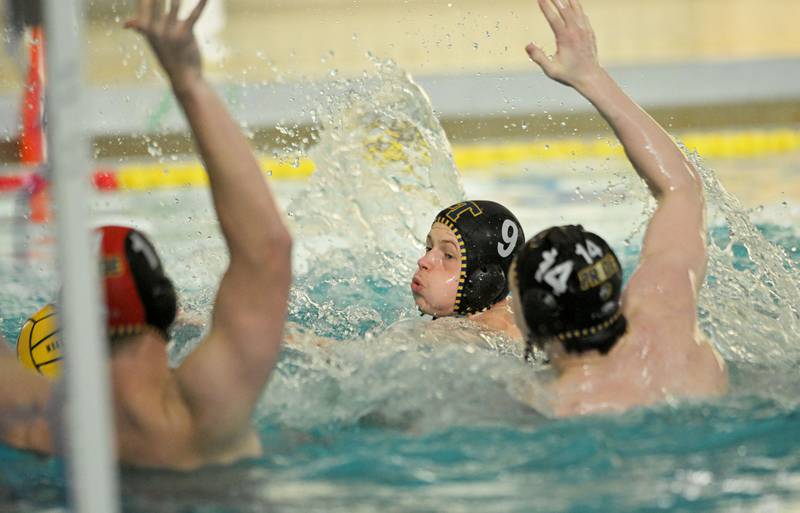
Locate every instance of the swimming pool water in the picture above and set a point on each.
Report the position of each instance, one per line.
(389, 423)
(415, 416)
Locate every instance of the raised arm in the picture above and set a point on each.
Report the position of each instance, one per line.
(223, 378)
(23, 401)
(674, 249)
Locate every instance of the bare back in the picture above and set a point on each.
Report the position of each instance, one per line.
(663, 354)
(646, 367)
(154, 422)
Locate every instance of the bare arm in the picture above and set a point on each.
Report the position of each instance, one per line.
(673, 258)
(224, 376)
(23, 402)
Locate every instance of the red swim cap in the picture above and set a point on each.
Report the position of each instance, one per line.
(137, 292)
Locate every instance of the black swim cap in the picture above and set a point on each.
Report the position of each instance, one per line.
(569, 283)
(489, 235)
(138, 292)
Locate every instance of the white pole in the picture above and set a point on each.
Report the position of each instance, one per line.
(92, 467)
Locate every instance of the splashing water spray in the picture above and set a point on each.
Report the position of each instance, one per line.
(384, 168)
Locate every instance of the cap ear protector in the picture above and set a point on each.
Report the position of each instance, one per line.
(137, 291)
(570, 283)
(488, 281)
(488, 235)
(549, 312)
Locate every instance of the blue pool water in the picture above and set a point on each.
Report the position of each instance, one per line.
(403, 414)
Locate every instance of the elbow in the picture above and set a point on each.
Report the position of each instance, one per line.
(690, 179)
(277, 254)
(685, 190)
(274, 241)
(685, 184)
(281, 242)
(278, 262)
(688, 186)
(270, 251)
(33, 435)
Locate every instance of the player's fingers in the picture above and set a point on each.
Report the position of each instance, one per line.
(196, 12)
(156, 11)
(144, 13)
(174, 7)
(551, 15)
(565, 11)
(538, 56)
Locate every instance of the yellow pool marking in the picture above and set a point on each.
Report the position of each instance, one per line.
(192, 174)
(740, 144)
(485, 158)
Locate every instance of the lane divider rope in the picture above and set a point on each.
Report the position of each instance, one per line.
(470, 159)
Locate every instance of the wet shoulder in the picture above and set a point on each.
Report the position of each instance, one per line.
(668, 360)
(660, 298)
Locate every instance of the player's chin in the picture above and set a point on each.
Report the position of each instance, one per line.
(423, 305)
(437, 311)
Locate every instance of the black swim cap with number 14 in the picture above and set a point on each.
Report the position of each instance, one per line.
(570, 282)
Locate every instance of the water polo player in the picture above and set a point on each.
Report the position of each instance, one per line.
(138, 294)
(138, 297)
(614, 349)
(198, 413)
(464, 270)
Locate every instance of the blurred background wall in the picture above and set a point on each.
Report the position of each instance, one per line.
(689, 60)
(309, 38)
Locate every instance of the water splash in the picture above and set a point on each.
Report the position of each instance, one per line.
(397, 379)
(749, 305)
(384, 168)
(416, 376)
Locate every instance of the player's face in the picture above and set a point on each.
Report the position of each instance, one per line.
(435, 283)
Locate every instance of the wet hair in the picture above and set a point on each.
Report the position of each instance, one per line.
(488, 235)
(138, 294)
(570, 282)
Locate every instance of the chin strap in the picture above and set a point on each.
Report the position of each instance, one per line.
(423, 314)
(529, 355)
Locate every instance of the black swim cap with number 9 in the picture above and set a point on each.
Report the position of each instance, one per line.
(489, 236)
(570, 282)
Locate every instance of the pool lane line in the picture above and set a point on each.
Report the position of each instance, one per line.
(733, 144)
(473, 160)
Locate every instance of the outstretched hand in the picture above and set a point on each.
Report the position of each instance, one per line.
(172, 39)
(575, 60)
